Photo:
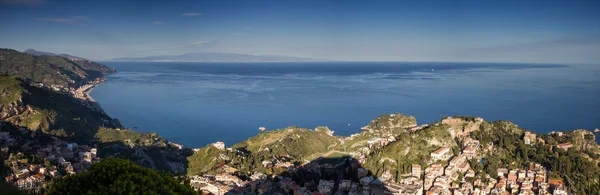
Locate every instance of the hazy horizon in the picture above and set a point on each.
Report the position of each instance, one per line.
(433, 31)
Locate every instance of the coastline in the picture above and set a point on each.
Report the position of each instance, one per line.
(87, 92)
(83, 94)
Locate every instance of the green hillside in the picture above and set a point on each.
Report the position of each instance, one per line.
(51, 112)
(411, 148)
(298, 144)
(50, 70)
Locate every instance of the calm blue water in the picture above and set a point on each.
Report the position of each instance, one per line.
(200, 103)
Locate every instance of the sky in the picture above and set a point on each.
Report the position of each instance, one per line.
(539, 31)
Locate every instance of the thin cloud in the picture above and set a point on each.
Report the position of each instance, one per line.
(158, 22)
(22, 2)
(69, 20)
(204, 43)
(190, 14)
(237, 34)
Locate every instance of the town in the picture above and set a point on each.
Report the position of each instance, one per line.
(447, 172)
(33, 162)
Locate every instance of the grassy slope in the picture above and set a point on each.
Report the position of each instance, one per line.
(51, 112)
(10, 90)
(298, 143)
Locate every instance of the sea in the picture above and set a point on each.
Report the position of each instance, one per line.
(195, 104)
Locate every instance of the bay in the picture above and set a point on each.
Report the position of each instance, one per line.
(199, 103)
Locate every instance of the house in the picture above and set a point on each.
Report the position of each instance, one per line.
(325, 186)
(386, 175)
(529, 138)
(416, 170)
(442, 153)
(512, 176)
(87, 157)
(502, 172)
(565, 146)
(470, 152)
(94, 152)
(346, 184)
(452, 121)
(219, 145)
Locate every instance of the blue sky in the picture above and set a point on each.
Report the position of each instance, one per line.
(481, 31)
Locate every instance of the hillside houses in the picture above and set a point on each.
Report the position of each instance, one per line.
(59, 158)
(442, 153)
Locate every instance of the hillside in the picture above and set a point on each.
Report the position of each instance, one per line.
(40, 109)
(388, 146)
(53, 71)
(297, 145)
(43, 53)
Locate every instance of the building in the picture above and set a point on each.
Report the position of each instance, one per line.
(442, 153)
(452, 121)
(502, 172)
(416, 170)
(470, 152)
(529, 138)
(326, 186)
(345, 184)
(219, 145)
(565, 146)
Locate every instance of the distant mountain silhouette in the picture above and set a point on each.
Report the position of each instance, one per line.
(219, 57)
(43, 53)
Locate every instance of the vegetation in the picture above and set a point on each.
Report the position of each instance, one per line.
(410, 148)
(580, 173)
(117, 176)
(9, 189)
(298, 144)
(106, 135)
(50, 70)
(392, 122)
(205, 160)
(10, 89)
(51, 112)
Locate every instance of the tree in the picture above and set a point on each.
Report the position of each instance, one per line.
(118, 176)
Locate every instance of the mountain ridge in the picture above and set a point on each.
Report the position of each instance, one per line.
(218, 57)
(51, 70)
(43, 53)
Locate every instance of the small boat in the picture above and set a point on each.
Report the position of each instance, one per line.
(262, 129)
(432, 70)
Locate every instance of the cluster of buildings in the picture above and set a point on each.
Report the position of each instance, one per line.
(318, 179)
(457, 177)
(447, 172)
(36, 163)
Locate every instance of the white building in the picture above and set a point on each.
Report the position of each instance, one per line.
(442, 153)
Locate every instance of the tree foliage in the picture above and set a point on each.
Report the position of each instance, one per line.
(118, 176)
